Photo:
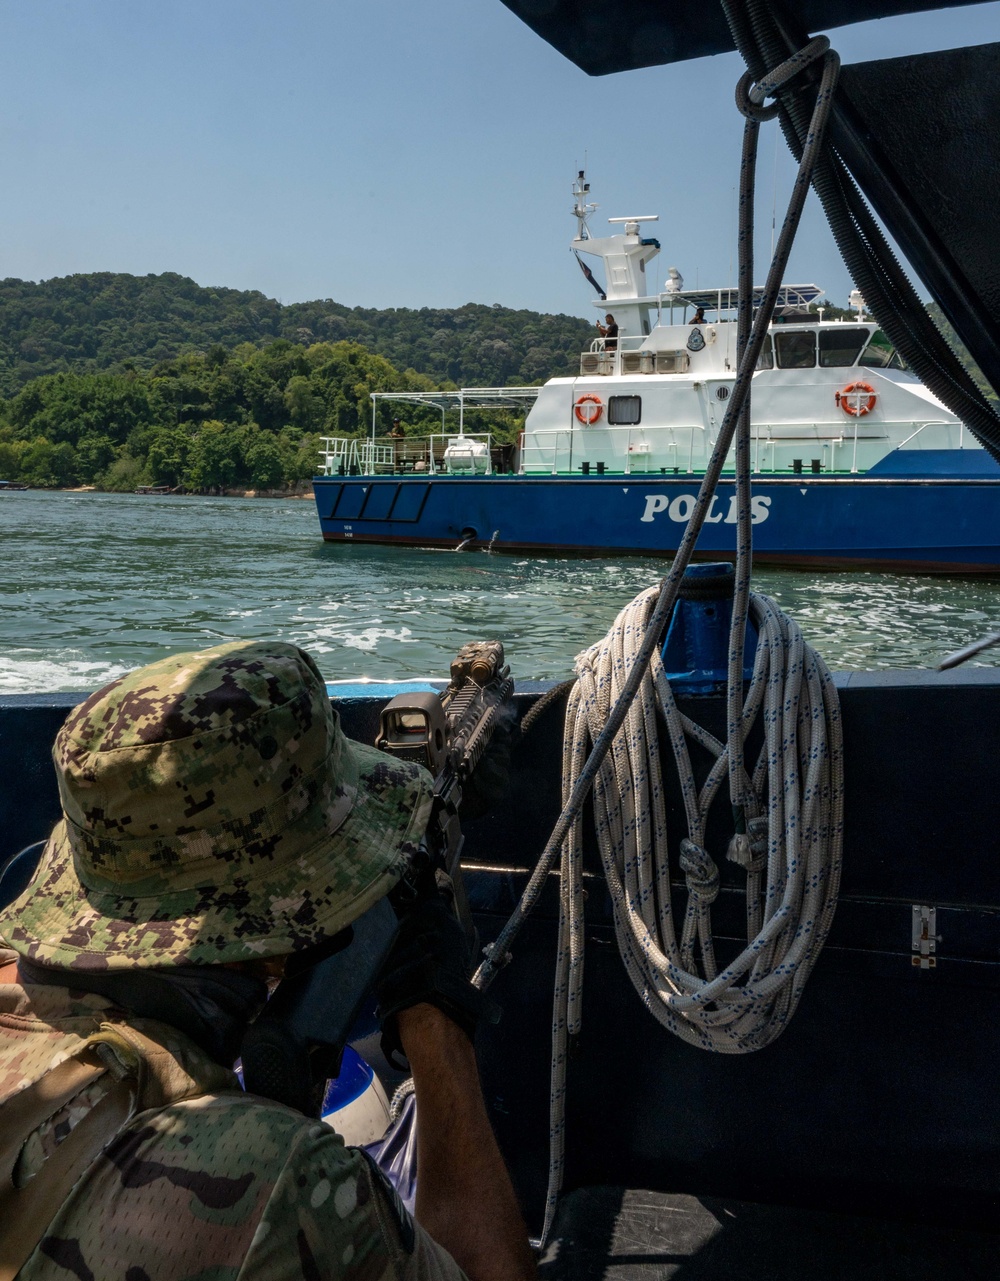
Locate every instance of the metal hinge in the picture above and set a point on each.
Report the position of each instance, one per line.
(924, 937)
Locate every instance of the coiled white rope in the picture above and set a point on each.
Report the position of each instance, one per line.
(789, 841)
(791, 851)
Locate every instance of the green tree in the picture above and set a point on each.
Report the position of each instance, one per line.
(94, 454)
(961, 351)
(244, 415)
(124, 475)
(67, 406)
(64, 464)
(10, 460)
(47, 466)
(265, 463)
(36, 463)
(216, 457)
(303, 459)
(303, 406)
(168, 454)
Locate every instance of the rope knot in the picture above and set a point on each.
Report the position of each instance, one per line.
(749, 849)
(700, 872)
(496, 959)
(750, 97)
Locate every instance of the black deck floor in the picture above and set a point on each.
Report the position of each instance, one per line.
(630, 1235)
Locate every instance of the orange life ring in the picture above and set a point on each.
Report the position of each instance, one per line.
(857, 399)
(588, 409)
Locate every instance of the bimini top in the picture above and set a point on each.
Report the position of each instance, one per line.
(603, 36)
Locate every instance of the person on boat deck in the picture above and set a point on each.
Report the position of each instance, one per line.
(397, 432)
(699, 317)
(217, 821)
(609, 332)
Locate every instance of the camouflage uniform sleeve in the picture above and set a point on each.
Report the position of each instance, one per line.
(332, 1214)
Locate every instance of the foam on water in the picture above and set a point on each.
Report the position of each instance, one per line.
(60, 672)
(96, 584)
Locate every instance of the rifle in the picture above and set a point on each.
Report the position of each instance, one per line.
(450, 734)
(295, 1044)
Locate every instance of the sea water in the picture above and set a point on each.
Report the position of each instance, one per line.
(92, 585)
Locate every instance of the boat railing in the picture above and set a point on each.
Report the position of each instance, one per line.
(374, 457)
(416, 454)
(600, 359)
(726, 299)
(934, 422)
(763, 438)
(337, 454)
(632, 446)
(646, 450)
(624, 342)
(356, 456)
(534, 444)
(770, 436)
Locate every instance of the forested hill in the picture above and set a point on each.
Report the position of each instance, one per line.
(110, 321)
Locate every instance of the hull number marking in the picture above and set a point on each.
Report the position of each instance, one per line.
(680, 508)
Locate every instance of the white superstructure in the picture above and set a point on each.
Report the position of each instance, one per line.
(828, 396)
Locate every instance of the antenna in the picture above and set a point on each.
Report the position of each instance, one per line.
(582, 208)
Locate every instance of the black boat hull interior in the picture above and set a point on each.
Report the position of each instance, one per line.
(879, 1099)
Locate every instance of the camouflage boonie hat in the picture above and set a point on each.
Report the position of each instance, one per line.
(214, 811)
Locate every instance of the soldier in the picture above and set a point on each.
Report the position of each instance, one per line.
(216, 821)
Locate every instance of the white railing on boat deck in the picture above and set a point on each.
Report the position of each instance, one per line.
(354, 456)
(624, 342)
(763, 439)
(939, 422)
(546, 443)
(643, 450)
(347, 455)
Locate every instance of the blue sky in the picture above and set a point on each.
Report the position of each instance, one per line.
(387, 153)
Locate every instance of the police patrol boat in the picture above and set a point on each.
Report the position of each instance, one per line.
(854, 460)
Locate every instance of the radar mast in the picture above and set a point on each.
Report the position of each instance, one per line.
(582, 209)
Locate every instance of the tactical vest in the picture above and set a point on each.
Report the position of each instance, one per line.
(142, 1073)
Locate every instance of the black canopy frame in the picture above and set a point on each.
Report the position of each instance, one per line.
(605, 36)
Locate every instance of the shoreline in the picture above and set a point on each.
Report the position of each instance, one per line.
(194, 493)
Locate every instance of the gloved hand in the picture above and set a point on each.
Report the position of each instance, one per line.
(429, 961)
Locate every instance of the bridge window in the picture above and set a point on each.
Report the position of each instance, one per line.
(624, 411)
(841, 346)
(766, 358)
(880, 353)
(795, 350)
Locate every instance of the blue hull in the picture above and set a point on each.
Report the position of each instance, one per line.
(926, 524)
